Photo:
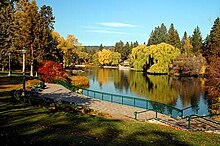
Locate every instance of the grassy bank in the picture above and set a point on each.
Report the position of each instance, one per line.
(22, 124)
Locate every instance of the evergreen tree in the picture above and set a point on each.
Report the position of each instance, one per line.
(212, 54)
(119, 47)
(186, 45)
(214, 44)
(127, 50)
(173, 37)
(47, 43)
(55, 54)
(154, 37)
(185, 36)
(150, 40)
(205, 44)
(196, 40)
(135, 44)
(101, 47)
(158, 35)
(163, 35)
(177, 38)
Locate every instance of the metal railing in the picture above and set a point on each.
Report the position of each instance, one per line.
(130, 101)
(133, 101)
(190, 117)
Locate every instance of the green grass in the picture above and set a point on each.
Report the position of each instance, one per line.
(22, 124)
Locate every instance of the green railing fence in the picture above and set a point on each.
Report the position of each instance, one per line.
(190, 117)
(130, 101)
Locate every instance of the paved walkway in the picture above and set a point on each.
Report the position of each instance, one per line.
(58, 92)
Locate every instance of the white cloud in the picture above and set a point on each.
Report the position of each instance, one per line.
(117, 24)
(106, 31)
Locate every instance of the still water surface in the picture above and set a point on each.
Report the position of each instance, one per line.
(177, 92)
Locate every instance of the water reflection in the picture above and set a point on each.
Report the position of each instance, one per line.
(179, 92)
(190, 90)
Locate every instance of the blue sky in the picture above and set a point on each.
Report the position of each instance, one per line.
(107, 21)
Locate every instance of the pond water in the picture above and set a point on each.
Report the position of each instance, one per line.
(178, 92)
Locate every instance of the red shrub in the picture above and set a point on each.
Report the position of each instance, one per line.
(50, 70)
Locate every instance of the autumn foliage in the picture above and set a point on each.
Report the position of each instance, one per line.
(79, 81)
(188, 66)
(50, 70)
(33, 83)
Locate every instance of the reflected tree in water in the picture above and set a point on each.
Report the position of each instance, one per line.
(190, 90)
(155, 88)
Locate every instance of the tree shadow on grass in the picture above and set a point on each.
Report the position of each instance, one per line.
(167, 138)
(12, 80)
(24, 124)
(61, 128)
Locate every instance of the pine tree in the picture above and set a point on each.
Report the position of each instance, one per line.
(150, 40)
(158, 35)
(214, 44)
(135, 44)
(155, 36)
(127, 50)
(185, 36)
(212, 54)
(177, 38)
(119, 47)
(163, 35)
(205, 44)
(186, 45)
(173, 37)
(101, 47)
(47, 43)
(196, 40)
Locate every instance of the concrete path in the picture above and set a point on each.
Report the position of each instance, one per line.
(58, 92)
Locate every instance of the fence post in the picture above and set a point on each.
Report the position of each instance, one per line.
(146, 104)
(189, 119)
(111, 98)
(102, 96)
(181, 113)
(122, 100)
(134, 101)
(135, 115)
(197, 110)
(156, 114)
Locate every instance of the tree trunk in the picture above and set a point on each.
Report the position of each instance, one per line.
(32, 61)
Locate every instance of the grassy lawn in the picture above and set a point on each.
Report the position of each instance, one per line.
(23, 124)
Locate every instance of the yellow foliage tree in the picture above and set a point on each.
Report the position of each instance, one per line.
(107, 57)
(104, 56)
(115, 58)
(71, 48)
(155, 57)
